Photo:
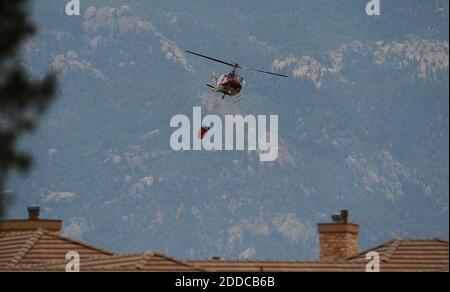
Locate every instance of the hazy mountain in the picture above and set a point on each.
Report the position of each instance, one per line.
(363, 124)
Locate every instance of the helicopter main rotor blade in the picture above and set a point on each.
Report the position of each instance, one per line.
(235, 65)
(265, 72)
(212, 59)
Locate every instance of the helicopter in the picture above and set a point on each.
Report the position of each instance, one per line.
(231, 83)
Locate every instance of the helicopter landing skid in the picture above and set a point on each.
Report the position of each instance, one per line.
(237, 99)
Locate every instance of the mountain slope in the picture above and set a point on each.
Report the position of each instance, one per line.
(363, 124)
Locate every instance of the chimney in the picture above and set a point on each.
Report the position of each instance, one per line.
(34, 212)
(338, 240)
(33, 223)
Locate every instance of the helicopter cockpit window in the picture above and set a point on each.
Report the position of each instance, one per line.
(239, 78)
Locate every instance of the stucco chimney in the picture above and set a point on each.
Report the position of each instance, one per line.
(338, 240)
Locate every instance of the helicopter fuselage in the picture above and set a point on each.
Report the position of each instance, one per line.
(228, 84)
(231, 83)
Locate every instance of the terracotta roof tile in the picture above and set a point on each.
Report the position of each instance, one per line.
(277, 266)
(406, 255)
(10, 245)
(31, 247)
(25, 251)
(145, 262)
(410, 254)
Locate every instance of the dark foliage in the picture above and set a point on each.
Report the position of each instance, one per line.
(22, 99)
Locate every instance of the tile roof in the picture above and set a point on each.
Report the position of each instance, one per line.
(32, 247)
(277, 266)
(405, 255)
(146, 262)
(410, 254)
(26, 251)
